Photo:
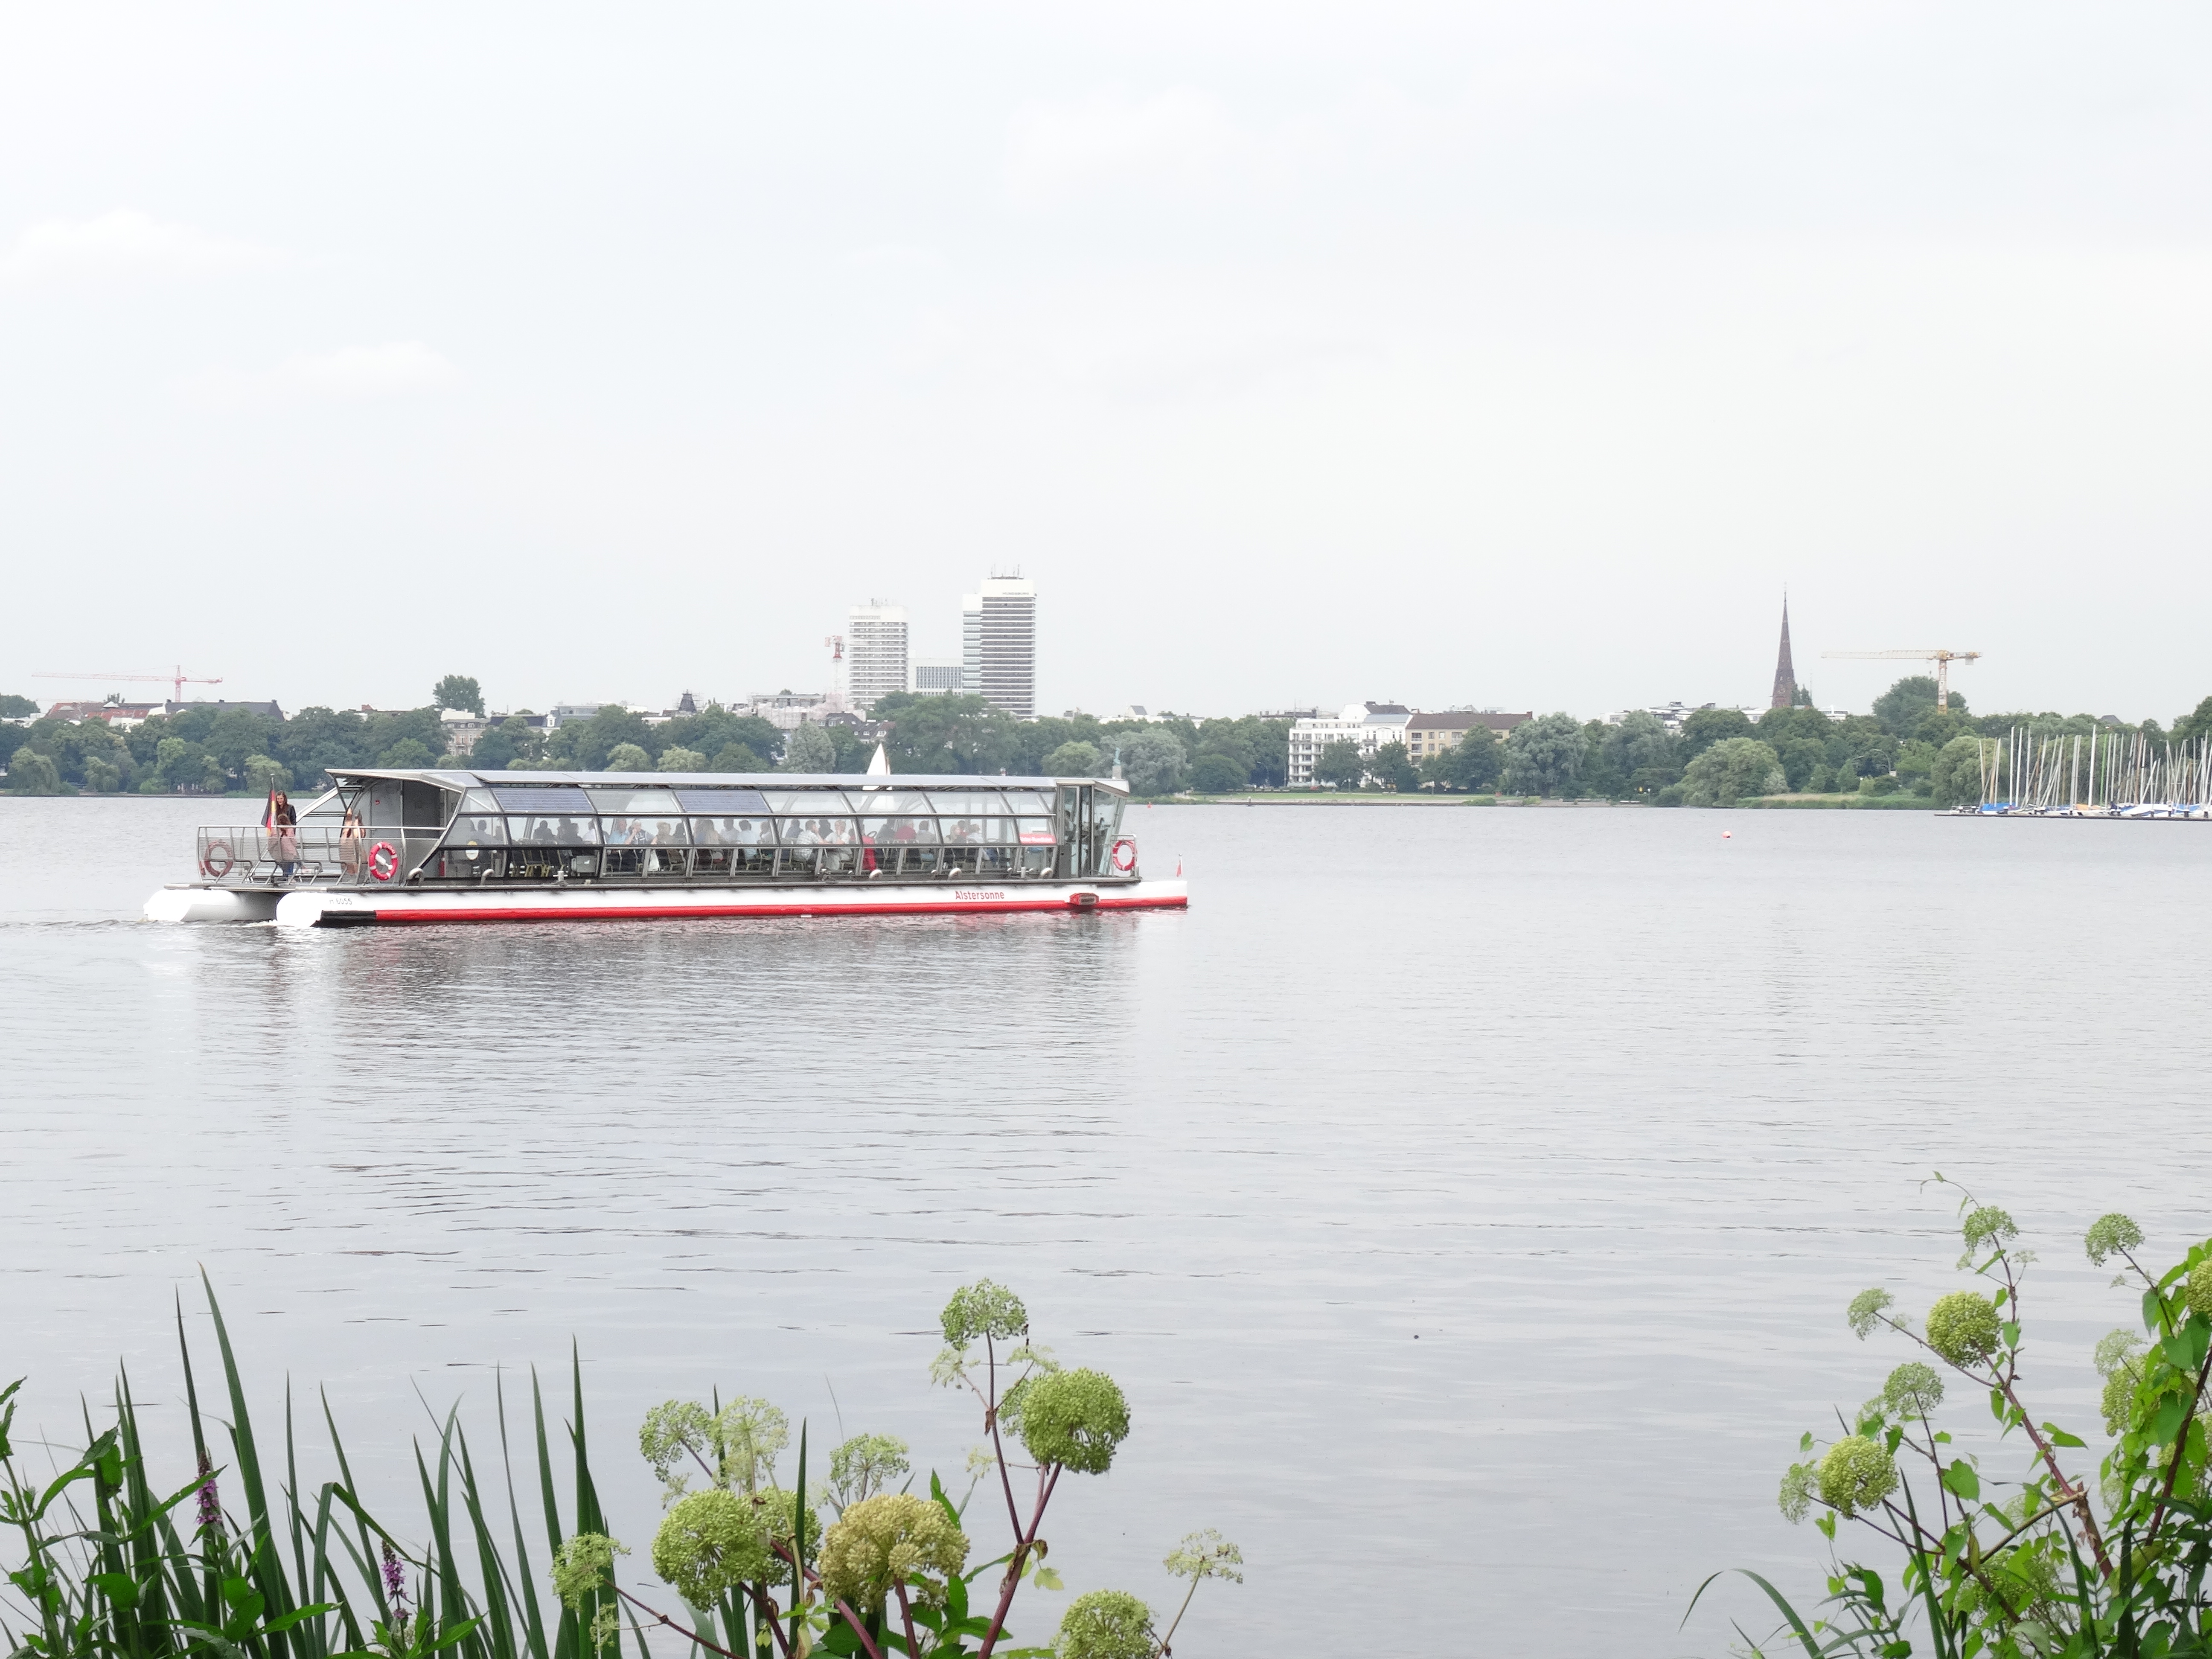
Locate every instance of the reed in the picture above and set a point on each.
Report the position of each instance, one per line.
(245, 1561)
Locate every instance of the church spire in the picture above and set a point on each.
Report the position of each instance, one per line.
(1785, 676)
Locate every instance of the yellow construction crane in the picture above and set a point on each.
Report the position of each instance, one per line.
(1943, 659)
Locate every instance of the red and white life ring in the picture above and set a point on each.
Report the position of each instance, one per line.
(383, 861)
(1125, 865)
(216, 861)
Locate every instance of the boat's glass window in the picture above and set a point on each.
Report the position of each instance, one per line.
(887, 832)
(805, 803)
(1023, 803)
(817, 832)
(722, 803)
(796, 860)
(632, 802)
(967, 803)
(1036, 832)
(744, 831)
(477, 829)
(479, 800)
(654, 829)
(543, 799)
(554, 828)
(896, 860)
(959, 830)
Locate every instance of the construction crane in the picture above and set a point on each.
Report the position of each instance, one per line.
(178, 680)
(837, 644)
(1941, 658)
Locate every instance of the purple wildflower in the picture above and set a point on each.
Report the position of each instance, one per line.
(395, 1579)
(211, 1505)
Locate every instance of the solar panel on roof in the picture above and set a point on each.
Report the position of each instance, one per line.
(721, 800)
(543, 798)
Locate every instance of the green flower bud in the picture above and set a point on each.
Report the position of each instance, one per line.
(584, 1565)
(2114, 1350)
(2197, 1289)
(710, 1543)
(1988, 1226)
(1856, 1475)
(1962, 1326)
(1105, 1624)
(1913, 1389)
(1866, 1309)
(1796, 1494)
(1206, 1555)
(2109, 1235)
(983, 1310)
(2118, 1401)
(1075, 1418)
(896, 1538)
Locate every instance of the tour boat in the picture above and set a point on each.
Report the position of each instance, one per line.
(446, 847)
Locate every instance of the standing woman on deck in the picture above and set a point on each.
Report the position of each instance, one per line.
(284, 819)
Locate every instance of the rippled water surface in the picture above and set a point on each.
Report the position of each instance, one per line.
(1467, 1199)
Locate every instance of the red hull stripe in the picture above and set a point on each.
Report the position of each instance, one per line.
(726, 912)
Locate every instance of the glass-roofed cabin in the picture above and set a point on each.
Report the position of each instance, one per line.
(393, 845)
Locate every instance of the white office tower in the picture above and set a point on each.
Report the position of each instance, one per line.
(971, 643)
(875, 653)
(999, 626)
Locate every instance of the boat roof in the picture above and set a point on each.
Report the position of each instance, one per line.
(948, 782)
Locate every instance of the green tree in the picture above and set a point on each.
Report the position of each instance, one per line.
(1707, 726)
(947, 732)
(1800, 760)
(30, 772)
(673, 759)
(1544, 754)
(810, 749)
(737, 758)
(1340, 764)
(1730, 770)
(261, 775)
(628, 757)
(1955, 779)
(13, 708)
(1392, 766)
(1900, 708)
(1215, 774)
(102, 777)
(597, 737)
(1472, 763)
(2195, 725)
(1074, 759)
(459, 691)
(1643, 753)
(183, 765)
(407, 753)
(1154, 762)
(1915, 761)
(235, 737)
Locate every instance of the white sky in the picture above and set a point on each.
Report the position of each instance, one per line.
(1510, 355)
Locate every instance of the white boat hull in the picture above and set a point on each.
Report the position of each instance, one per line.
(211, 904)
(323, 907)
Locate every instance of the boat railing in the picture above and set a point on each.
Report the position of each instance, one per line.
(250, 855)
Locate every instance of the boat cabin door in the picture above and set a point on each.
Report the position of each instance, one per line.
(1079, 833)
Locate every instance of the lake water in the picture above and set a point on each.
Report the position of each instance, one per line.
(1465, 1198)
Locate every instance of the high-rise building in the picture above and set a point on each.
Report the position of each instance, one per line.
(1785, 676)
(875, 653)
(999, 630)
(971, 643)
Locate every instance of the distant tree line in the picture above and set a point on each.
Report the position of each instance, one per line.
(209, 750)
(1906, 746)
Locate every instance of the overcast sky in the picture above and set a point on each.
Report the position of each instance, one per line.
(1515, 355)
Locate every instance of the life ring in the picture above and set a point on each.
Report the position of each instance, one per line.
(216, 861)
(1125, 865)
(383, 861)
